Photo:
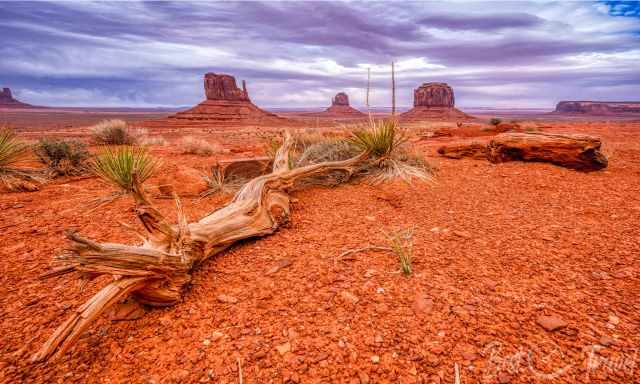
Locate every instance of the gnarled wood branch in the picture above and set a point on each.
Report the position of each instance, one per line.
(156, 272)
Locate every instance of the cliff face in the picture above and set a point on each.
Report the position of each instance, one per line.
(7, 100)
(434, 101)
(598, 107)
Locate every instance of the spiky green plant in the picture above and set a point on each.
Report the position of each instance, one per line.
(12, 150)
(379, 138)
(116, 166)
(401, 243)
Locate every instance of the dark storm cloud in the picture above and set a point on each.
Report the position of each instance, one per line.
(155, 53)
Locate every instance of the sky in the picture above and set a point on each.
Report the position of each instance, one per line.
(300, 54)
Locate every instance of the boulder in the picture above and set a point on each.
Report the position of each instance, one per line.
(575, 151)
(473, 150)
(433, 101)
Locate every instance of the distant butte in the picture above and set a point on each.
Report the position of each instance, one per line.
(433, 101)
(339, 109)
(225, 104)
(598, 108)
(7, 100)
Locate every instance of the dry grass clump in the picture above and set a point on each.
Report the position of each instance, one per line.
(12, 152)
(153, 140)
(401, 243)
(112, 132)
(117, 166)
(62, 157)
(219, 182)
(194, 146)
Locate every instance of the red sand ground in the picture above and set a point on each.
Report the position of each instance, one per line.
(496, 246)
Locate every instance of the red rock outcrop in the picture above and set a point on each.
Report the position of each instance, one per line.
(7, 100)
(575, 151)
(433, 101)
(226, 105)
(340, 107)
(598, 108)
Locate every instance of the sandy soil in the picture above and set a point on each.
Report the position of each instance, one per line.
(495, 248)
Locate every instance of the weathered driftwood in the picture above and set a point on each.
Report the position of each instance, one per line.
(156, 271)
(581, 152)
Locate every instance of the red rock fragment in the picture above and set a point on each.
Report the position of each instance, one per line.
(551, 323)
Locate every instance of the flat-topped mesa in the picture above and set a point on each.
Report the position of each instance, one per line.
(225, 105)
(7, 100)
(223, 87)
(340, 108)
(598, 107)
(433, 101)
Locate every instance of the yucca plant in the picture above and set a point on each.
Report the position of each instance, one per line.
(116, 166)
(12, 152)
(380, 138)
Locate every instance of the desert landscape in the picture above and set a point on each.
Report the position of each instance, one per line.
(387, 233)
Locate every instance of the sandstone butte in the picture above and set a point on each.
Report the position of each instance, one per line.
(225, 105)
(7, 100)
(433, 101)
(340, 107)
(598, 108)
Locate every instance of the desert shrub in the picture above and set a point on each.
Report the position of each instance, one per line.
(62, 157)
(401, 243)
(327, 150)
(112, 132)
(194, 146)
(153, 140)
(116, 166)
(12, 152)
(495, 121)
(380, 138)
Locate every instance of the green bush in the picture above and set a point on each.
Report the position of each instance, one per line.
(62, 157)
(117, 166)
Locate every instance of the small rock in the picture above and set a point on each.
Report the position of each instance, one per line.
(375, 359)
(369, 273)
(206, 342)
(129, 310)
(435, 229)
(470, 356)
(370, 218)
(422, 304)
(380, 290)
(284, 348)
(504, 378)
(413, 371)
(216, 335)
(607, 341)
(378, 339)
(613, 319)
(227, 299)
(350, 297)
(279, 265)
(463, 234)
(551, 323)
(364, 378)
(259, 355)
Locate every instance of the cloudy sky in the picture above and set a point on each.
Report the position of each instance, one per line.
(496, 54)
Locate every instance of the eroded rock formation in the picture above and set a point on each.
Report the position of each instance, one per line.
(575, 151)
(340, 107)
(598, 108)
(433, 101)
(7, 100)
(226, 105)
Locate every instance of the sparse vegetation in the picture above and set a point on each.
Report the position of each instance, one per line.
(495, 121)
(12, 152)
(153, 140)
(401, 243)
(379, 139)
(215, 181)
(116, 166)
(112, 132)
(194, 146)
(62, 157)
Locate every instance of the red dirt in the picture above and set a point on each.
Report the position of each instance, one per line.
(496, 247)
